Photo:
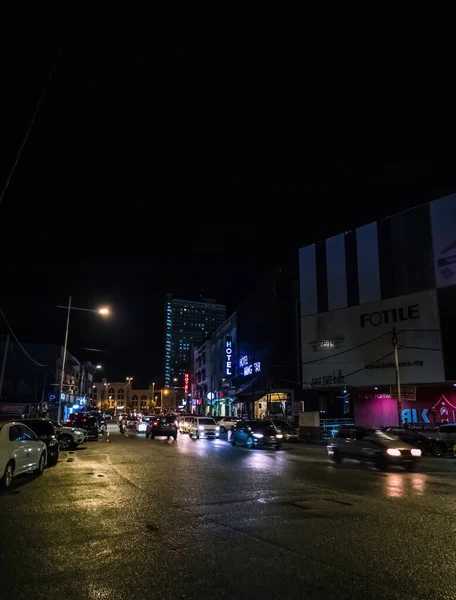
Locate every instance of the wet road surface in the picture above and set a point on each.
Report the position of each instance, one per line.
(137, 518)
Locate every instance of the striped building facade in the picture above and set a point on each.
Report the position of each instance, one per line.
(355, 287)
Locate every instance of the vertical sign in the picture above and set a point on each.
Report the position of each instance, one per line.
(228, 355)
(186, 380)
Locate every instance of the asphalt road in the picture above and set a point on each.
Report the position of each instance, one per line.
(137, 518)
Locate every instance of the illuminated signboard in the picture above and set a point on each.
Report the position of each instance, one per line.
(186, 380)
(249, 368)
(228, 355)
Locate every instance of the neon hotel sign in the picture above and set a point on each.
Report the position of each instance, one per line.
(228, 355)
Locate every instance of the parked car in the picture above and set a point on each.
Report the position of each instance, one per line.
(427, 445)
(289, 430)
(446, 436)
(69, 437)
(256, 434)
(184, 424)
(380, 447)
(227, 423)
(88, 423)
(20, 452)
(141, 426)
(45, 431)
(164, 425)
(204, 427)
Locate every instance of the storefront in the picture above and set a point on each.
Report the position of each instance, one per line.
(423, 408)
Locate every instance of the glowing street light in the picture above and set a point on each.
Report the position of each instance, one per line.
(102, 311)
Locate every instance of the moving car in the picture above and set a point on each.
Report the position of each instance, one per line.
(45, 431)
(256, 434)
(101, 420)
(88, 423)
(290, 432)
(227, 423)
(162, 426)
(425, 444)
(69, 437)
(447, 436)
(131, 421)
(204, 427)
(184, 424)
(20, 452)
(141, 426)
(380, 447)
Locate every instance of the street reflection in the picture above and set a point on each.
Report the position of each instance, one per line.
(394, 485)
(418, 483)
(398, 485)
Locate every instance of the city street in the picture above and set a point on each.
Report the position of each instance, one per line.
(140, 518)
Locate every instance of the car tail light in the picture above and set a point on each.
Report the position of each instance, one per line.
(155, 422)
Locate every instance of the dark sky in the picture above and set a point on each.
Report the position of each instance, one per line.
(192, 167)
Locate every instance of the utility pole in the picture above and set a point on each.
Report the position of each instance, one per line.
(62, 376)
(398, 378)
(5, 356)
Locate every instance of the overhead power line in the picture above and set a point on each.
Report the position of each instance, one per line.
(29, 129)
(419, 348)
(18, 342)
(356, 371)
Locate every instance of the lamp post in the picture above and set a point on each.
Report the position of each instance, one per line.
(104, 311)
(165, 392)
(128, 387)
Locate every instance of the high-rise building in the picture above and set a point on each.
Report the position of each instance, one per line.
(187, 322)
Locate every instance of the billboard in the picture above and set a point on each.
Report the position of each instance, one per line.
(432, 407)
(443, 223)
(353, 346)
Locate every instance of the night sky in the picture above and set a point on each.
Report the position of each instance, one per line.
(193, 167)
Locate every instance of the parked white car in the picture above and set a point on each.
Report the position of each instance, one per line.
(69, 437)
(20, 452)
(204, 427)
(227, 423)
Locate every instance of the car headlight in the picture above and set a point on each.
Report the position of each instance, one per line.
(78, 432)
(279, 435)
(217, 428)
(393, 452)
(201, 427)
(258, 435)
(415, 452)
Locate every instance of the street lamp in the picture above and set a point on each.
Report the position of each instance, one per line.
(162, 391)
(128, 387)
(102, 311)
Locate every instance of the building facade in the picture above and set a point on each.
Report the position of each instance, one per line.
(120, 397)
(267, 380)
(364, 292)
(187, 323)
(36, 385)
(214, 368)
